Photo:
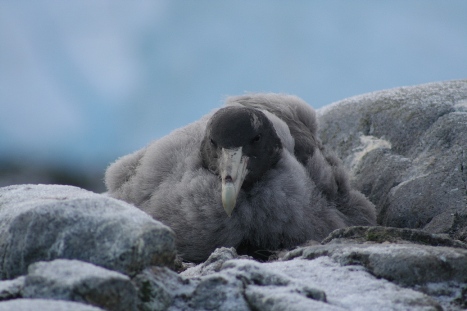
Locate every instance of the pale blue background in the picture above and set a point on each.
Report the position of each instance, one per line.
(84, 82)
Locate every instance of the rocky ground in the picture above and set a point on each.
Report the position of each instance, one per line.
(65, 248)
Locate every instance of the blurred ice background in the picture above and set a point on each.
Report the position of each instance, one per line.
(84, 82)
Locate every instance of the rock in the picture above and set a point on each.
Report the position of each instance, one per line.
(11, 289)
(352, 287)
(39, 222)
(405, 264)
(361, 234)
(214, 262)
(273, 298)
(158, 287)
(218, 292)
(162, 289)
(264, 286)
(298, 284)
(391, 253)
(302, 284)
(406, 149)
(238, 284)
(42, 304)
(78, 281)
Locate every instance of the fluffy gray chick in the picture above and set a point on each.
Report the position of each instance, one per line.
(252, 175)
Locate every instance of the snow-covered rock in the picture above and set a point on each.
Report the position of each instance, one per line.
(239, 284)
(43, 304)
(43, 222)
(74, 280)
(321, 283)
(407, 151)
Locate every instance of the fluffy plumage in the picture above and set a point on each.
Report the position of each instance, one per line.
(293, 189)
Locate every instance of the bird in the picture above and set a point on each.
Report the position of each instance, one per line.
(252, 174)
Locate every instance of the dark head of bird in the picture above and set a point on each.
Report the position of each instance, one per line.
(240, 145)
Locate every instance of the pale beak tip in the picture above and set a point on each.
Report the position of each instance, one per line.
(228, 207)
(229, 198)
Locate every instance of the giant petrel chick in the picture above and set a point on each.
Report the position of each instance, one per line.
(251, 175)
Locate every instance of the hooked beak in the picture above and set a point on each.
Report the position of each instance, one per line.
(232, 167)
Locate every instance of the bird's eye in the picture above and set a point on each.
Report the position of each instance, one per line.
(213, 143)
(256, 139)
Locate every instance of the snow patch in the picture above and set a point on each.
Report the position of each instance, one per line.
(368, 143)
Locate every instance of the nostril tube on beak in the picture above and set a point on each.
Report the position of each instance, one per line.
(228, 178)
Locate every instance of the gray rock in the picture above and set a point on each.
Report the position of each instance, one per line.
(318, 284)
(218, 292)
(42, 304)
(11, 289)
(377, 271)
(39, 222)
(405, 264)
(390, 253)
(406, 149)
(78, 281)
(214, 262)
(263, 286)
(162, 289)
(352, 287)
(278, 298)
(298, 284)
(158, 287)
(450, 295)
(238, 284)
(361, 234)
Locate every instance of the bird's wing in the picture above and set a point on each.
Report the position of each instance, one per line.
(120, 175)
(297, 114)
(135, 177)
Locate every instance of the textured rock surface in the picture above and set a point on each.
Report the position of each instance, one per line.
(407, 151)
(78, 281)
(225, 284)
(42, 304)
(405, 257)
(352, 287)
(360, 234)
(11, 289)
(405, 264)
(299, 284)
(39, 222)
(162, 289)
